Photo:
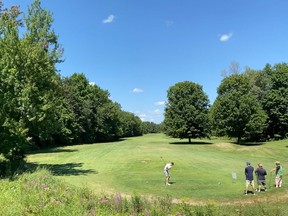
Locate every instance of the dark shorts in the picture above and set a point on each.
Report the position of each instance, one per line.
(261, 182)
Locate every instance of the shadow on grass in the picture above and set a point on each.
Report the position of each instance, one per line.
(248, 143)
(67, 169)
(191, 143)
(52, 150)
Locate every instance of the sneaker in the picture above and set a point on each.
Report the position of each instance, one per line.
(254, 194)
(168, 184)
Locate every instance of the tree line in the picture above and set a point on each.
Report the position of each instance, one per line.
(39, 108)
(250, 106)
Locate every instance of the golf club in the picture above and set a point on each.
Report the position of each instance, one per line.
(163, 160)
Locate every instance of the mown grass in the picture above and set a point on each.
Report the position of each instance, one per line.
(126, 178)
(202, 171)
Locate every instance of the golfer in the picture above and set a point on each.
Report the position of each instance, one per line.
(261, 180)
(167, 167)
(249, 170)
(279, 173)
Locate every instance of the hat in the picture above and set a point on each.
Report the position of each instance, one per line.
(248, 162)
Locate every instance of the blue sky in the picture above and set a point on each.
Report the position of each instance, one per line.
(137, 49)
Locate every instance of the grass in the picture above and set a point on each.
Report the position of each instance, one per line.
(126, 178)
(39, 193)
(202, 171)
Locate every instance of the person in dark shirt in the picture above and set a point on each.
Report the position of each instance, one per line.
(249, 171)
(261, 180)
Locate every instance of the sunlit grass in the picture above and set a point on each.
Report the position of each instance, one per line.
(203, 169)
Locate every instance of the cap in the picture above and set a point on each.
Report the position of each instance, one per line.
(248, 162)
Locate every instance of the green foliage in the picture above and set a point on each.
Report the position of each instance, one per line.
(28, 79)
(236, 111)
(131, 125)
(150, 127)
(39, 108)
(95, 118)
(276, 100)
(186, 113)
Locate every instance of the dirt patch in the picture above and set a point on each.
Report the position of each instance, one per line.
(224, 145)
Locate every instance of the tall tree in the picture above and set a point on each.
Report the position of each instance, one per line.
(186, 113)
(29, 82)
(275, 102)
(95, 116)
(40, 94)
(236, 111)
(13, 131)
(131, 125)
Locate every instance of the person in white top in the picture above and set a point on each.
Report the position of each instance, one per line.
(167, 167)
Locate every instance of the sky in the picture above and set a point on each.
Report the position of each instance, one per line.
(138, 49)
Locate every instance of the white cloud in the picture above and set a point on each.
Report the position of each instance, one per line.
(160, 103)
(109, 19)
(225, 37)
(157, 111)
(142, 117)
(92, 83)
(137, 90)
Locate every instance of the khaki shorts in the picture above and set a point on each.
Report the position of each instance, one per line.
(248, 182)
(166, 173)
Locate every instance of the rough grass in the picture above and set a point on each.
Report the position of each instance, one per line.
(39, 193)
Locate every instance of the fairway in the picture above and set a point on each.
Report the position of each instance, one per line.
(202, 171)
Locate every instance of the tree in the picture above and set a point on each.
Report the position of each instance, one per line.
(95, 116)
(29, 82)
(150, 127)
(275, 102)
(236, 111)
(131, 125)
(40, 98)
(13, 131)
(186, 113)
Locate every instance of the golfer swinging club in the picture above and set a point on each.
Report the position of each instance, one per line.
(167, 167)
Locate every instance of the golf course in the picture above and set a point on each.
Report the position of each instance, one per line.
(204, 169)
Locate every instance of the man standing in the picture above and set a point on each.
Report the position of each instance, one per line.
(279, 174)
(167, 167)
(261, 173)
(249, 170)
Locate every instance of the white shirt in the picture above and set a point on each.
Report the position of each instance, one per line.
(168, 166)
